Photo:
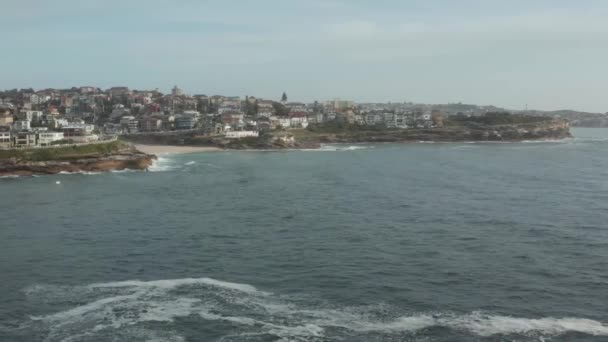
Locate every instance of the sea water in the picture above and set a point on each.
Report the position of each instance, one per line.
(382, 242)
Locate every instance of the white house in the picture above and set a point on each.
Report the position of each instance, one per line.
(285, 122)
(241, 134)
(47, 138)
(5, 139)
(299, 122)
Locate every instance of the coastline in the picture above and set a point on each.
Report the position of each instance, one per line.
(174, 149)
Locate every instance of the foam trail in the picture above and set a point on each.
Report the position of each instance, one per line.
(133, 308)
(489, 325)
(173, 283)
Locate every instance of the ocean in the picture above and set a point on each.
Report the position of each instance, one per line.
(383, 242)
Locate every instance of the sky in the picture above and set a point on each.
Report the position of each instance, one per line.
(546, 54)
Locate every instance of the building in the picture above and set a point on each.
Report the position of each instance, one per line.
(21, 125)
(80, 133)
(185, 121)
(129, 124)
(298, 120)
(6, 119)
(285, 122)
(57, 123)
(241, 134)
(47, 138)
(30, 115)
(5, 139)
(25, 139)
(339, 105)
(150, 124)
(177, 91)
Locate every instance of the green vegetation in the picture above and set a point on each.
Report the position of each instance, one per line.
(495, 118)
(280, 110)
(341, 126)
(64, 153)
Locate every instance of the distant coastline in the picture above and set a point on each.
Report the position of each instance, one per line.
(138, 152)
(180, 142)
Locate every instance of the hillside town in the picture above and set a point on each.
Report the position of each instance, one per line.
(50, 117)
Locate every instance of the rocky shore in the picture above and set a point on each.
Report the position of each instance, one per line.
(554, 130)
(122, 158)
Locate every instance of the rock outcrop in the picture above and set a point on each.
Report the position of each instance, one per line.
(132, 160)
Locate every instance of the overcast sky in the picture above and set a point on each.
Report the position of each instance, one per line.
(549, 54)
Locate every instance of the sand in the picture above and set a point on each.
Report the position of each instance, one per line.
(158, 149)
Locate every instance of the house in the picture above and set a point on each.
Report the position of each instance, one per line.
(21, 125)
(129, 124)
(315, 118)
(330, 116)
(285, 122)
(233, 118)
(151, 124)
(5, 139)
(80, 133)
(25, 139)
(56, 123)
(185, 121)
(265, 104)
(373, 119)
(47, 138)
(296, 107)
(6, 119)
(298, 119)
(241, 134)
(30, 115)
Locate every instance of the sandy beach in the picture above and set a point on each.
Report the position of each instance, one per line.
(158, 149)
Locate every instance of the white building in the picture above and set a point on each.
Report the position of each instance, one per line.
(299, 122)
(47, 138)
(21, 125)
(30, 115)
(241, 134)
(5, 139)
(285, 122)
(129, 124)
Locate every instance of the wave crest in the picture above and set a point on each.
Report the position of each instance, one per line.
(129, 307)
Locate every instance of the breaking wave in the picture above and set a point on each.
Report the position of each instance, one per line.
(337, 148)
(156, 310)
(162, 164)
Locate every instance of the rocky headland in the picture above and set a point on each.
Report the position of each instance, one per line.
(73, 159)
(312, 138)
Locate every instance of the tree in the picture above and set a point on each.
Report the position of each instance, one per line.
(284, 97)
(279, 109)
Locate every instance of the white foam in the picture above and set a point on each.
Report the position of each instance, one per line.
(173, 283)
(80, 173)
(190, 163)
(82, 310)
(336, 148)
(162, 164)
(125, 304)
(487, 325)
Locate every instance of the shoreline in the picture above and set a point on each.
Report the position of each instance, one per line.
(174, 149)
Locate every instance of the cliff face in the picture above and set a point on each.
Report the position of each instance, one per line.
(125, 160)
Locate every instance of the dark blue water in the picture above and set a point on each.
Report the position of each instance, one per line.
(415, 242)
